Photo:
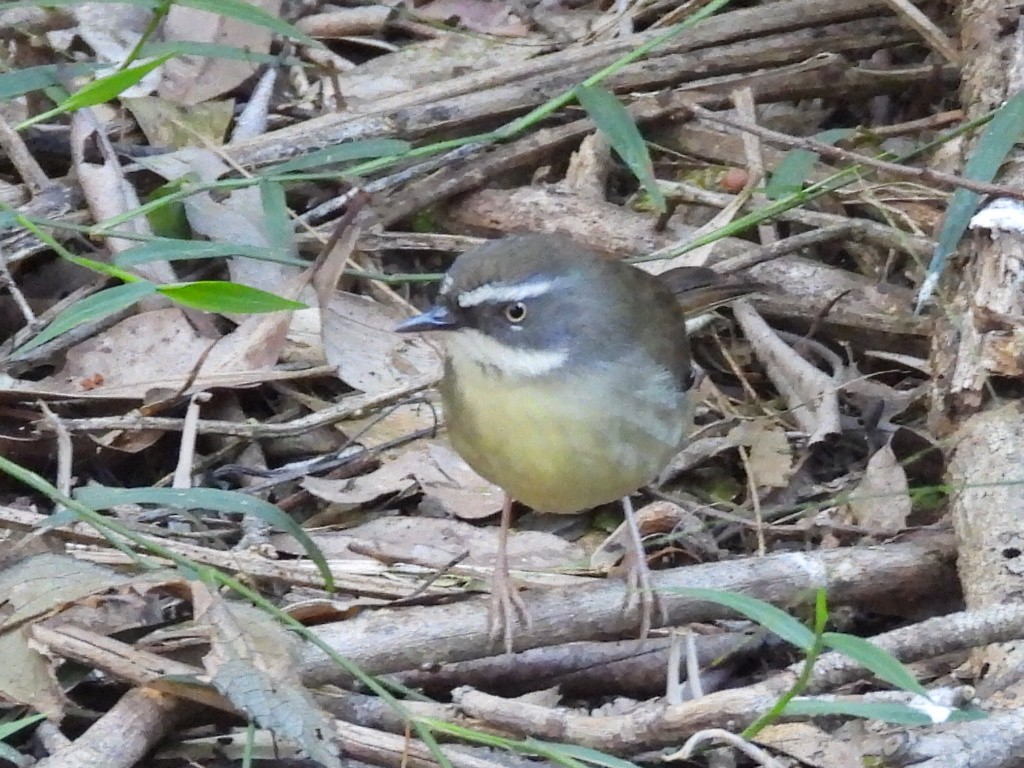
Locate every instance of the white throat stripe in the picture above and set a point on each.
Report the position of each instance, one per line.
(503, 292)
(468, 343)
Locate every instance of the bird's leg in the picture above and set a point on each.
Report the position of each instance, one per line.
(506, 602)
(638, 574)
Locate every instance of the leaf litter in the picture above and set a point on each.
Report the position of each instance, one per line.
(811, 433)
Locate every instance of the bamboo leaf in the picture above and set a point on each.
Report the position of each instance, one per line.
(96, 307)
(225, 297)
(614, 121)
(767, 615)
(231, 502)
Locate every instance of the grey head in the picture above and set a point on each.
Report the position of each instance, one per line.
(532, 304)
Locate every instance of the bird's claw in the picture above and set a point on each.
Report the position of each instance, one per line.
(506, 605)
(640, 589)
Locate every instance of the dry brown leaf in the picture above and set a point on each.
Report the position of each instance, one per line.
(27, 676)
(477, 15)
(359, 339)
(424, 63)
(770, 458)
(882, 500)
(109, 192)
(259, 339)
(446, 477)
(14, 390)
(811, 746)
(173, 126)
(435, 469)
(434, 542)
(111, 31)
(195, 79)
(134, 355)
(33, 589)
(401, 421)
(236, 217)
(159, 350)
(252, 661)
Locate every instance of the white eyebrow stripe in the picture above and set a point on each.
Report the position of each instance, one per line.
(503, 292)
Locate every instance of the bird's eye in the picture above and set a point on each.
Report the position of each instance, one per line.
(516, 313)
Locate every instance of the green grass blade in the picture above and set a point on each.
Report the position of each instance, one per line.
(96, 307)
(351, 150)
(585, 754)
(881, 663)
(22, 81)
(614, 121)
(222, 296)
(99, 91)
(232, 502)
(998, 138)
(215, 51)
(174, 249)
(768, 616)
(9, 729)
(796, 165)
(276, 221)
(890, 712)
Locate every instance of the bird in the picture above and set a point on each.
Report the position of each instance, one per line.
(567, 382)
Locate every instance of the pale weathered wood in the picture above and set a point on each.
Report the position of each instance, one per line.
(890, 578)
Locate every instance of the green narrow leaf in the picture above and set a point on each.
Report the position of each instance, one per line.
(351, 150)
(222, 296)
(767, 615)
(99, 91)
(103, 304)
(275, 216)
(169, 220)
(102, 268)
(612, 119)
(99, 267)
(22, 81)
(9, 729)
(113, 85)
(995, 143)
(890, 712)
(585, 754)
(174, 249)
(881, 663)
(103, 497)
(216, 51)
(60, 3)
(791, 173)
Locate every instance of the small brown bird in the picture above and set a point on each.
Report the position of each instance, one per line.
(567, 382)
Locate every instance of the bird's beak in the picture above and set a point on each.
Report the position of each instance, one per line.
(437, 318)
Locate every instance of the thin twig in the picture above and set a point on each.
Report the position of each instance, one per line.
(755, 753)
(786, 246)
(352, 408)
(945, 180)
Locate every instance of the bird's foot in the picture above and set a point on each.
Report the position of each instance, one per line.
(640, 593)
(506, 605)
(638, 576)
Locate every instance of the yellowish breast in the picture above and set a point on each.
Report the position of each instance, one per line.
(564, 444)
